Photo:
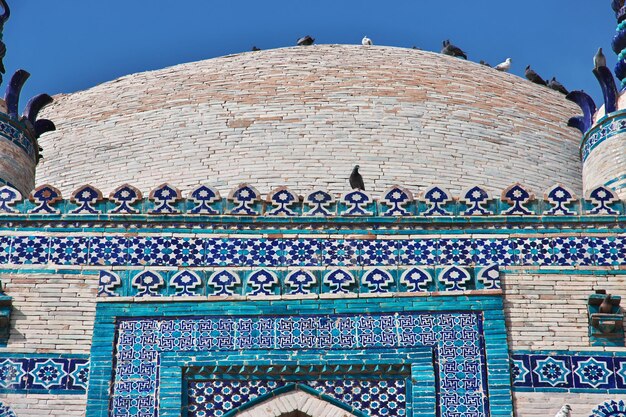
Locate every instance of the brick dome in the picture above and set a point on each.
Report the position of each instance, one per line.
(303, 116)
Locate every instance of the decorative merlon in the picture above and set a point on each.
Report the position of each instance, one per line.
(246, 200)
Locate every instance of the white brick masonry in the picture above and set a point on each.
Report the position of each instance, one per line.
(302, 117)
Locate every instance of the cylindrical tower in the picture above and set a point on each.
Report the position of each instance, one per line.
(19, 148)
(18, 155)
(603, 147)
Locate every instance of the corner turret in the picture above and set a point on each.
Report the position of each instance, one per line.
(19, 134)
(603, 146)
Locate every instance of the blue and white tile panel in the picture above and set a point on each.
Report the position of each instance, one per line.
(549, 250)
(456, 337)
(376, 398)
(41, 374)
(566, 371)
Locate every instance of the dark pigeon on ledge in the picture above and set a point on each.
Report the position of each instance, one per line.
(254, 49)
(532, 76)
(356, 180)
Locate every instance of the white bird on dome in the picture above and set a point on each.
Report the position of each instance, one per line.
(565, 411)
(366, 41)
(504, 66)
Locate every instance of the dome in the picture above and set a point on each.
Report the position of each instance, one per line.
(303, 116)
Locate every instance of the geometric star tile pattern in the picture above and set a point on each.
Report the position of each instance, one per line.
(606, 370)
(42, 375)
(111, 250)
(384, 398)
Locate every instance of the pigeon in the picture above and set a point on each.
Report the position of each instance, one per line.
(607, 306)
(565, 411)
(254, 49)
(533, 76)
(599, 60)
(366, 41)
(557, 86)
(504, 66)
(449, 49)
(305, 40)
(356, 180)
(484, 63)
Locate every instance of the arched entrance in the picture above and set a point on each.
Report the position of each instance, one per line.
(296, 400)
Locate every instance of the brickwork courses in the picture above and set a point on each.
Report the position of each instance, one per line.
(302, 117)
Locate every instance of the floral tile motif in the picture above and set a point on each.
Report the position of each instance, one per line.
(13, 372)
(378, 252)
(5, 249)
(502, 252)
(340, 252)
(565, 372)
(593, 372)
(520, 370)
(108, 250)
(551, 371)
(535, 251)
(418, 252)
(48, 374)
(610, 251)
(620, 372)
(30, 250)
(574, 251)
(456, 251)
(302, 252)
(69, 250)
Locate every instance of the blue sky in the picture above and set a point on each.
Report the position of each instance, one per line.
(70, 45)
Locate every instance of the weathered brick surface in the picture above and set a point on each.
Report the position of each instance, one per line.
(607, 162)
(547, 404)
(51, 313)
(43, 405)
(303, 116)
(549, 312)
(16, 167)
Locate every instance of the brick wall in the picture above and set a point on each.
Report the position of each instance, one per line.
(303, 116)
(51, 313)
(44, 405)
(535, 404)
(549, 312)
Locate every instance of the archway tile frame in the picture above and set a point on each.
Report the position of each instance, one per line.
(162, 371)
(421, 394)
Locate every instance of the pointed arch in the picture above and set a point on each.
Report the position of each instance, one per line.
(295, 400)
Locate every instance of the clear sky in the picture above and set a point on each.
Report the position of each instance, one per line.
(70, 45)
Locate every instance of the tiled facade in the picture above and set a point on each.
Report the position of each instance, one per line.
(448, 300)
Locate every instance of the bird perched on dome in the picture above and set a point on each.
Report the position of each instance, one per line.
(484, 63)
(557, 86)
(452, 50)
(254, 49)
(533, 76)
(356, 180)
(366, 41)
(565, 411)
(504, 66)
(599, 60)
(305, 41)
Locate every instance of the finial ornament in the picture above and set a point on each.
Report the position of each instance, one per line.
(6, 12)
